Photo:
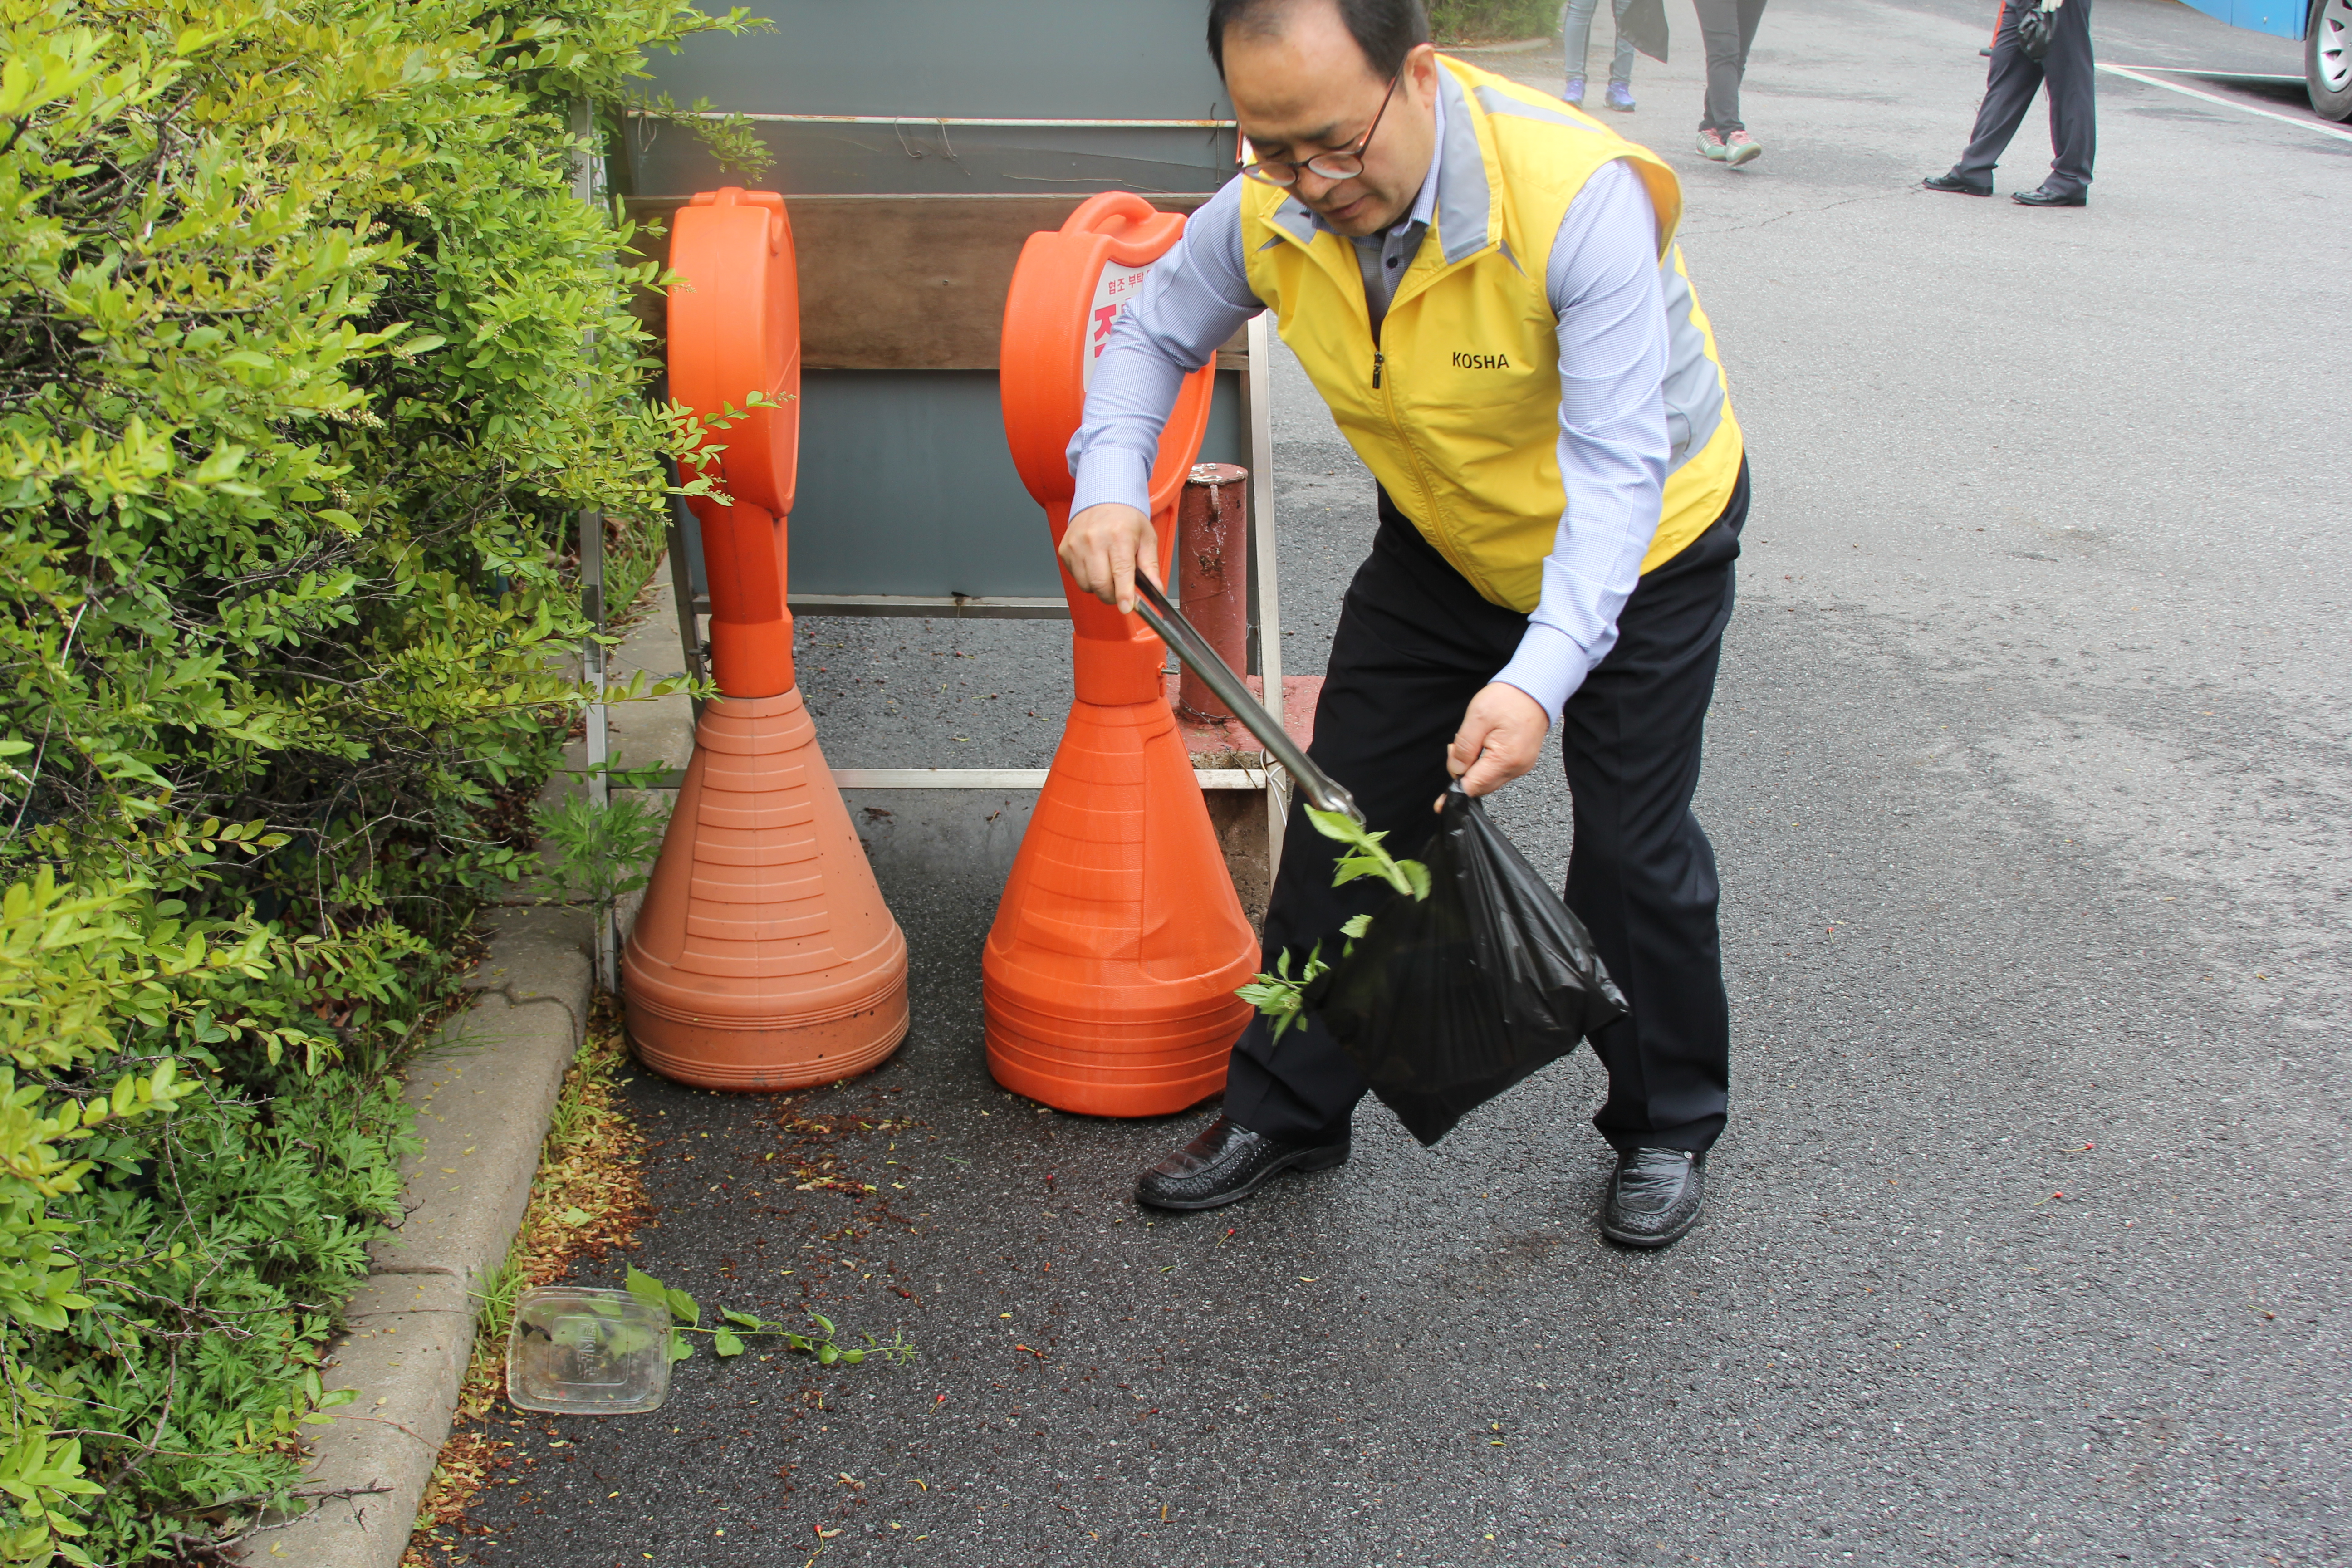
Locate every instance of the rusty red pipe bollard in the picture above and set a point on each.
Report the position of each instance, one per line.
(1212, 574)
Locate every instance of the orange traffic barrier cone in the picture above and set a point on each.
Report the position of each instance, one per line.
(763, 957)
(1108, 976)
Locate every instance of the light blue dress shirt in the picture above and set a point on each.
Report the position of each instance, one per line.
(1602, 278)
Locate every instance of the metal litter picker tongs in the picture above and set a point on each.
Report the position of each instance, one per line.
(1204, 661)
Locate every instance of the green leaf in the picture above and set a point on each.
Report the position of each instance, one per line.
(726, 1342)
(680, 1347)
(741, 1320)
(682, 1306)
(646, 1289)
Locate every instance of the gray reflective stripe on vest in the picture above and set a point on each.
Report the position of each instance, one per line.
(1495, 102)
(1462, 198)
(1294, 218)
(1693, 387)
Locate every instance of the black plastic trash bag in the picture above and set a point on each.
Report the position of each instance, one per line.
(1446, 1001)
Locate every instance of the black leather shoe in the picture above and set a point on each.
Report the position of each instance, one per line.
(1225, 1164)
(2049, 198)
(1654, 1197)
(1955, 184)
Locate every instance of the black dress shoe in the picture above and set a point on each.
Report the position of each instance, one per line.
(1955, 184)
(2050, 198)
(1225, 1164)
(1654, 1197)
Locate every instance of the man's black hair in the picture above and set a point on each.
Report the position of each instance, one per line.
(1386, 30)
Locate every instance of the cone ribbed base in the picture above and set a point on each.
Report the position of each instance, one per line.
(763, 958)
(1108, 977)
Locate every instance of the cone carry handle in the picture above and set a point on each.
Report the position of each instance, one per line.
(734, 331)
(1067, 292)
(1058, 315)
(734, 328)
(1202, 660)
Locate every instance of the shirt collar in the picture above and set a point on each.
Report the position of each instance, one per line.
(1424, 203)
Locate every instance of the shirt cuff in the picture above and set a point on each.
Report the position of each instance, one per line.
(1109, 474)
(1548, 667)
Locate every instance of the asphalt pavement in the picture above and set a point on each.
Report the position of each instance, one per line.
(2028, 775)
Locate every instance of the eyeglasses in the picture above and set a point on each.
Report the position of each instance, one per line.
(1343, 165)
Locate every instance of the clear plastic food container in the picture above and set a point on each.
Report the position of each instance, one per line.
(578, 1350)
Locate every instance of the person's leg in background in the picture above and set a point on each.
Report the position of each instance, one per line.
(2071, 76)
(1718, 32)
(1727, 28)
(1620, 64)
(1576, 43)
(2011, 82)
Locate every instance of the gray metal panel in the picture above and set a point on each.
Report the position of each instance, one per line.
(920, 157)
(1047, 59)
(905, 486)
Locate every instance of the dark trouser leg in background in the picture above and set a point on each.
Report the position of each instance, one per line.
(1415, 643)
(2010, 84)
(1727, 28)
(2071, 74)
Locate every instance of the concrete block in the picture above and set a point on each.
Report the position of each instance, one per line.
(1239, 817)
(642, 731)
(661, 729)
(646, 733)
(405, 1353)
(539, 954)
(483, 1093)
(402, 1295)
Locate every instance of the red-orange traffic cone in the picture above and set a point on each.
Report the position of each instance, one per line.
(1108, 976)
(763, 957)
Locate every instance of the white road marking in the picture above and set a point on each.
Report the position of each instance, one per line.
(2308, 123)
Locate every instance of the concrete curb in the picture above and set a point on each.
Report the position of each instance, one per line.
(484, 1092)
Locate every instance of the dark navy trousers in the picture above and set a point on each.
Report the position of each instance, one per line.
(2068, 71)
(1415, 642)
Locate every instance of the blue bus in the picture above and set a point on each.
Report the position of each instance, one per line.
(2326, 28)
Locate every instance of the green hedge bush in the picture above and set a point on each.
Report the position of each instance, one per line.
(1486, 21)
(308, 357)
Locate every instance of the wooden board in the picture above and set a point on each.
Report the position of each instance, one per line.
(902, 282)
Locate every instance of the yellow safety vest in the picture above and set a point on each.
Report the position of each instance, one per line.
(1456, 407)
